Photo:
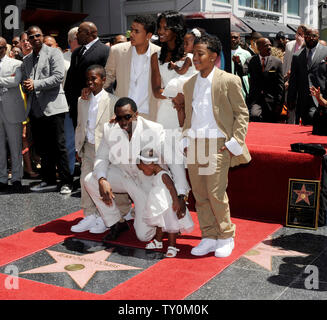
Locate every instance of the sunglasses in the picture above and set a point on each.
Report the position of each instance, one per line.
(33, 36)
(125, 117)
(3, 47)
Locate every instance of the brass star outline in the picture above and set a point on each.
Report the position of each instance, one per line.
(80, 268)
(303, 195)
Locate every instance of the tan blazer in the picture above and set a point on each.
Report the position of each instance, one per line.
(229, 108)
(105, 113)
(118, 68)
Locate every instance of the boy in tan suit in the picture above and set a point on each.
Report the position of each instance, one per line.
(92, 115)
(216, 120)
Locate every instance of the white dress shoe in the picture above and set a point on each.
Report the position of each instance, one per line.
(85, 224)
(204, 247)
(99, 226)
(224, 247)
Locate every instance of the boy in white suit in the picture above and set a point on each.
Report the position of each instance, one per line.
(92, 115)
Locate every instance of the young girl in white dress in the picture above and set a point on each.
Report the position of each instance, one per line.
(162, 209)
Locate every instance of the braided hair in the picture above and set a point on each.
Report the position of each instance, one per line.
(175, 22)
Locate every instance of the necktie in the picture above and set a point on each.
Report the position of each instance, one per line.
(80, 54)
(309, 58)
(263, 64)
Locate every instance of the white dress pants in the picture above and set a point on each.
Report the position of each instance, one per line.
(121, 183)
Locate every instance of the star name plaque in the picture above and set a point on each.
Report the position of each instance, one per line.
(303, 203)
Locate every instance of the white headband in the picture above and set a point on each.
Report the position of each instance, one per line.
(196, 32)
(148, 156)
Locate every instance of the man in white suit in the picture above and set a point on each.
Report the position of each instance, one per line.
(115, 168)
(12, 114)
(129, 64)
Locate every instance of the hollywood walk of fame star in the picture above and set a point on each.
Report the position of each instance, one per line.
(262, 253)
(303, 195)
(80, 268)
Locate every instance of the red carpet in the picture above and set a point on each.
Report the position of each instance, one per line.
(259, 189)
(185, 273)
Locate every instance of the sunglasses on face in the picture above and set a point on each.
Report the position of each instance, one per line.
(3, 47)
(33, 36)
(126, 117)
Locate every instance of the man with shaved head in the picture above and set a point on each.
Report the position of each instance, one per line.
(12, 114)
(92, 51)
(266, 95)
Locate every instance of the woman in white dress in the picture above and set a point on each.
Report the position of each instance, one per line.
(171, 31)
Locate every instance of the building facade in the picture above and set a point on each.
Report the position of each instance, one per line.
(115, 16)
(291, 12)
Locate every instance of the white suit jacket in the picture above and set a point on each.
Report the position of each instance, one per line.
(289, 51)
(105, 113)
(115, 149)
(118, 68)
(11, 97)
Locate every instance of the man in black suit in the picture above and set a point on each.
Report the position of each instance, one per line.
(92, 51)
(266, 93)
(308, 69)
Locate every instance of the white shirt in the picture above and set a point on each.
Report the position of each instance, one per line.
(90, 44)
(92, 116)
(203, 123)
(139, 80)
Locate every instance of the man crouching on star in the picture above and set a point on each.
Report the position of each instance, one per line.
(116, 171)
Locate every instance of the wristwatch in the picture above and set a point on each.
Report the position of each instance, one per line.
(183, 196)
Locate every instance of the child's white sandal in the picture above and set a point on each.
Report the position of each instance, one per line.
(171, 252)
(154, 244)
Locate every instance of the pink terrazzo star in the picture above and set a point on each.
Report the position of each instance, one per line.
(262, 253)
(80, 268)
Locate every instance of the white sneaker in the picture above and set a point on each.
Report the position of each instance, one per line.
(204, 247)
(224, 247)
(85, 224)
(99, 226)
(66, 189)
(43, 186)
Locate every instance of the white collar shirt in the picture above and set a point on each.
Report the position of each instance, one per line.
(92, 116)
(139, 80)
(203, 123)
(90, 44)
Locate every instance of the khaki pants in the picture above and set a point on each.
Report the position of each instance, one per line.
(122, 200)
(208, 172)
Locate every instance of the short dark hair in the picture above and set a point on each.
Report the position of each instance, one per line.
(147, 21)
(21, 35)
(28, 31)
(280, 35)
(100, 70)
(256, 35)
(123, 102)
(213, 43)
